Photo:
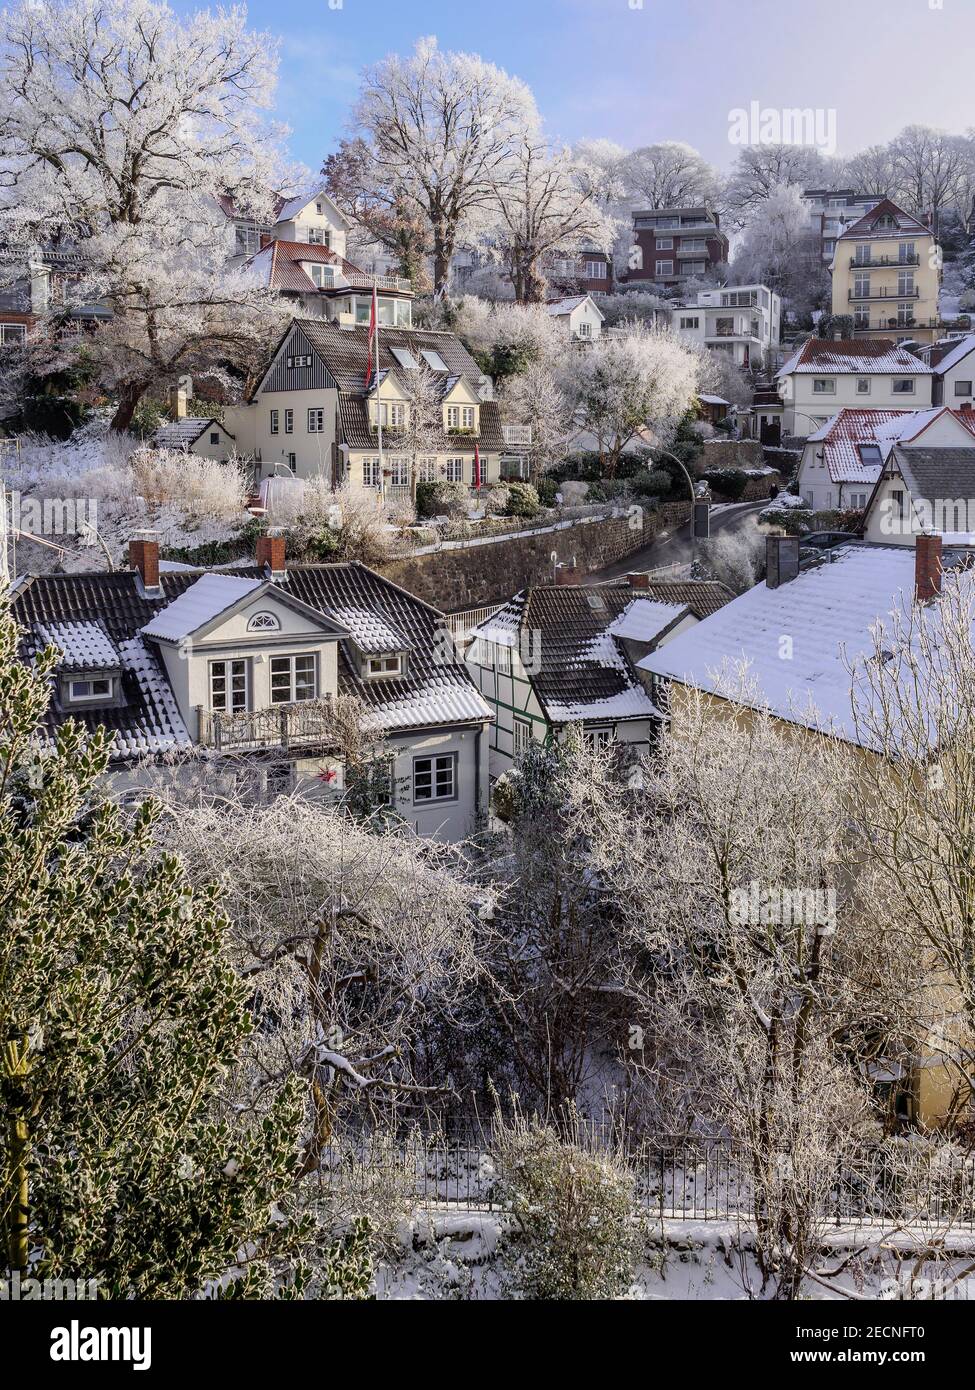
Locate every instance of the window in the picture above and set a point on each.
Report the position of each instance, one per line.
(905, 316)
(12, 334)
(293, 678)
(317, 236)
(263, 622)
(862, 255)
(394, 414)
(95, 689)
(274, 422)
(228, 686)
(690, 322)
(664, 268)
(502, 658)
(316, 421)
(214, 436)
(695, 268)
(905, 282)
(863, 386)
(861, 316)
(585, 330)
(405, 358)
(897, 497)
(399, 472)
(298, 362)
(963, 388)
(694, 245)
(858, 500)
(870, 455)
(905, 253)
(598, 738)
(289, 422)
(665, 243)
(455, 470)
(370, 473)
(323, 276)
(824, 386)
(903, 386)
(521, 736)
(595, 270)
(385, 665)
(435, 779)
(427, 470)
(362, 310)
(861, 286)
(433, 360)
(460, 417)
(292, 461)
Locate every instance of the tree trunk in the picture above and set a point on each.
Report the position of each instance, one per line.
(16, 1201)
(533, 283)
(129, 397)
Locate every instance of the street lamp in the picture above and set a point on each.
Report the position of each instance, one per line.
(700, 507)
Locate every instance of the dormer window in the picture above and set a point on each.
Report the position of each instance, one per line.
(97, 688)
(379, 666)
(461, 417)
(264, 622)
(323, 276)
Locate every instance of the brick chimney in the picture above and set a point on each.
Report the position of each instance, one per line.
(638, 581)
(781, 560)
(927, 568)
(567, 574)
(144, 557)
(270, 552)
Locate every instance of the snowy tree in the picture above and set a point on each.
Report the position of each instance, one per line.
(622, 386)
(381, 206)
(544, 206)
(120, 125)
(423, 434)
(505, 337)
(760, 169)
(537, 398)
(669, 174)
(120, 1017)
(779, 249)
(442, 130)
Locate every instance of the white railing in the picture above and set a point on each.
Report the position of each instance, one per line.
(517, 434)
(460, 624)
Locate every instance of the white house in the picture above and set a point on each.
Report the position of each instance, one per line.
(842, 460)
(826, 374)
(244, 663)
(203, 435)
(954, 373)
(923, 489)
(744, 322)
(580, 314)
(557, 655)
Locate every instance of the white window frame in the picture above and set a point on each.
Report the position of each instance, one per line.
(598, 738)
(231, 671)
(906, 384)
(316, 420)
(384, 667)
(452, 467)
(963, 388)
(275, 419)
(289, 421)
(664, 268)
(824, 386)
(399, 472)
(13, 334)
(371, 475)
(521, 736)
(665, 243)
(437, 767)
(90, 694)
(864, 386)
(291, 659)
(264, 622)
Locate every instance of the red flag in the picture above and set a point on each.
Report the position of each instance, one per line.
(373, 320)
(477, 468)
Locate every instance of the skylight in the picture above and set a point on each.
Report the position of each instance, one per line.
(433, 359)
(405, 358)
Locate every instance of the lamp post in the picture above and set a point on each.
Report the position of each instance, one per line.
(703, 499)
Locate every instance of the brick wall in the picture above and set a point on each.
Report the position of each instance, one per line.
(473, 574)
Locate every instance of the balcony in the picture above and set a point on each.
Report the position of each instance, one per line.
(893, 323)
(306, 722)
(883, 262)
(359, 280)
(518, 436)
(885, 294)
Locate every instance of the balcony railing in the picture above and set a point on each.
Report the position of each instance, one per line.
(883, 262)
(517, 435)
(279, 726)
(885, 294)
(359, 280)
(887, 324)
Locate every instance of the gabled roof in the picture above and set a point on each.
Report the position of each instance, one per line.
(956, 355)
(860, 356)
(345, 351)
(278, 265)
(842, 436)
(287, 210)
(936, 473)
(560, 308)
(828, 611)
(574, 633)
(183, 434)
(432, 693)
(864, 227)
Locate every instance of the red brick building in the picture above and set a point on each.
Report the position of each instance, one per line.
(671, 245)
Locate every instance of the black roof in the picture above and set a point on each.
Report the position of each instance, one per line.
(358, 434)
(933, 473)
(345, 351)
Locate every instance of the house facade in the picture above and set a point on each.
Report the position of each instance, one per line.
(317, 409)
(832, 211)
(886, 276)
(563, 655)
(673, 244)
(925, 485)
(243, 665)
(744, 322)
(203, 435)
(825, 375)
(953, 365)
(580, 315)
(591, 272)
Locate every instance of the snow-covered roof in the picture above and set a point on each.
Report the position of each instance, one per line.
(645, 619)
(827, 612)
(859, 356)
(560, 308)
(713, 400)
(290, 209)
(83, 645)
(956, 355)
(842, 435)
(182, 434)
(867, 226)
(370, 631)
(211, 595)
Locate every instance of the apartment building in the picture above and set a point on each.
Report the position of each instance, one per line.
(886, 276)
(674, 244)
(745, 322)
(832, 211)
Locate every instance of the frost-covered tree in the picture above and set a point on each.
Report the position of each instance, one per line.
(780, 249)
(537, 397)
(120, 125)
(543, 206)
(423, 433)
(381, 206)
(120, 1018)
(442, 130)
(760, 169)
(668, 174)
(621, 386)
(505, 337)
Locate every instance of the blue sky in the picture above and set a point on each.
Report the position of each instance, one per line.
(672, 69)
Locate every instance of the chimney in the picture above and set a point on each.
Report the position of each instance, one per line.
(177, 402)
(781, 560)
(638, 581)
(144, 557)
(270, 552)
(567, 574)
(927, 567)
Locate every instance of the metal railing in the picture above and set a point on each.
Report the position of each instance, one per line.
(278, 726)
(883, 262)
(675, 1178)
(460, 624)
(359, 280)
(884, 294)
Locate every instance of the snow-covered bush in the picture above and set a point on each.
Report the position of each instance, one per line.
(205, 489)
(735, 558)
(572, 1207)
(442, 499)
(523, 500)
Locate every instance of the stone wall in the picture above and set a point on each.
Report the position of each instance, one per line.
(730, 453)
(472, 574)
